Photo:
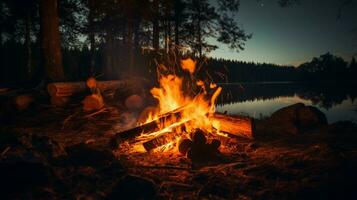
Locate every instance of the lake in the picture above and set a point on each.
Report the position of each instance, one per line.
(337, 100)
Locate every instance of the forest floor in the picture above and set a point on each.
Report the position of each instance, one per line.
(63, 153)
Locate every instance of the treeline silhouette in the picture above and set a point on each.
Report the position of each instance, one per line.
(65, 40)
(326, 67)
(76, 62)
(114, 33)
(325, 95)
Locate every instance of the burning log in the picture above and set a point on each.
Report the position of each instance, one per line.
(240, 126)
(66, 89)
(159, 141)
(153, 126)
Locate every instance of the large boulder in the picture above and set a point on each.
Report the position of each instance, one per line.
(294, 119)
(310, 117)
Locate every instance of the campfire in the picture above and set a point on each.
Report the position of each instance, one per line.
(184, 120)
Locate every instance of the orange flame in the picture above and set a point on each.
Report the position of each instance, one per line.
(196, 112)
(188, 65)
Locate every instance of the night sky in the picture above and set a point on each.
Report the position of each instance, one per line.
(293, 35)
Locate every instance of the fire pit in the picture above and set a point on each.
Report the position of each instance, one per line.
(185, 121)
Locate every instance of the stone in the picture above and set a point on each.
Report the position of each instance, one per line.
(310, 116)
(133, 187)
(199, 137)
(294, 119)
(287, 114)
(184, 146)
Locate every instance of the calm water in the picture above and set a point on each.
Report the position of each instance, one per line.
(337, 101)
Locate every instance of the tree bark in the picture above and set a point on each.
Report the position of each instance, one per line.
(91, 37)
(130, 25)
(155, 30)
(177, 24)
(199, 38)
(28, 45)
(50, 40)
(108, 58)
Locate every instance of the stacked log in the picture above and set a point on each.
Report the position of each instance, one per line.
(240, 126)
(67, 89)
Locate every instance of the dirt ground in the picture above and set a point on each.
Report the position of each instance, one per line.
(63, 153)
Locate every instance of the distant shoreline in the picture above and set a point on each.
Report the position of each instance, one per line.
(288, 82)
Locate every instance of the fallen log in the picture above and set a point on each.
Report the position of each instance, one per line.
(67, 89)
(240, 126)
(93, 102)
(59, 101)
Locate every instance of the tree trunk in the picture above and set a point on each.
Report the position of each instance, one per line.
(155, 29)
(50, 40)
(199, 38)
(91, 37)
(2, 70)
(28, 45)
(169, 35)
(130, 26)
(108, 58)
(165, 36)
(177, 24)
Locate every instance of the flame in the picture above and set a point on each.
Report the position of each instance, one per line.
(188, 65)
(196, 108)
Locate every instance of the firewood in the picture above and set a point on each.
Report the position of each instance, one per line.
(163, 138)
(93, 102)
(152, 126)
(66, 89)
(240, 126)
(159, 141)
(59, 101)
(144, 115)
(91, 83)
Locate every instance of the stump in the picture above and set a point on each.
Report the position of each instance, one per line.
(93, 102)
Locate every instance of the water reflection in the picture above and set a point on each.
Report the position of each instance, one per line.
(337, 101)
